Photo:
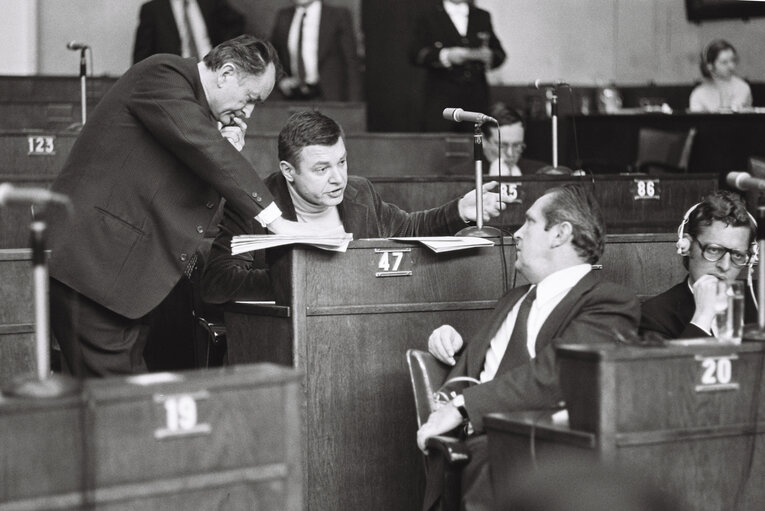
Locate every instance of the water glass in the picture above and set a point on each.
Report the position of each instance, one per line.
(730, 316)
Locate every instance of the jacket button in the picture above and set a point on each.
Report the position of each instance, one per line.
(184, 257)
(254, 194)
(259, 199)
(200, 229)
(210, 205)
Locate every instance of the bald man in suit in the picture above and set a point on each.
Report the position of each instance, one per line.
(513, 356)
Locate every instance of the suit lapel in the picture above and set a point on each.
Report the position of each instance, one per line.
(355, 216)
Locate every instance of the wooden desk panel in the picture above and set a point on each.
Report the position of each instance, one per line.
(218, 439)
(648, 410)
(17, 345)
(616, 195)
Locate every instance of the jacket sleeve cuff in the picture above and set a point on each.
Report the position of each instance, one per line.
(268, 215)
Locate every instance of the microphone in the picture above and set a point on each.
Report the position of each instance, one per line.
(744, 181)
(74, 45)
(12, 195)
(539, 84)
(459, 115)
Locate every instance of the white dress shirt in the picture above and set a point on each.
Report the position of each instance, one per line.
(550, 292)
(458, 13)
(310, 48)
(198, 28)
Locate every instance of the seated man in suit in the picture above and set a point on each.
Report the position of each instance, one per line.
(510, 135)
(717, 240)
(313, 186)
(317, 44)
(513, 355)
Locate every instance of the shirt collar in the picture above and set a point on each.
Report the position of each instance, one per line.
(456, 9)
(560, 281)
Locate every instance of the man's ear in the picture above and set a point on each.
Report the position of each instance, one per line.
(562, 233)
(288, 170)
(226, 72)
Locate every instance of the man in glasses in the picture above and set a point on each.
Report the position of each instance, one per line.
(507, 142)
(717, 241)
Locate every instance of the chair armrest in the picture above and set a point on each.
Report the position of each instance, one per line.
(454, 451)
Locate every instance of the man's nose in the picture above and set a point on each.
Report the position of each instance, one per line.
(724, 262)
(248, 110)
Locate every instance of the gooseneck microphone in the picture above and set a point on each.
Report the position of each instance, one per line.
(744, 181)
(75, 46)
(459, 115)
(539, 84)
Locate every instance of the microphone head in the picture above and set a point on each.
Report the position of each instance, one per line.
(74, 45)
(452, 114)
(736, 179)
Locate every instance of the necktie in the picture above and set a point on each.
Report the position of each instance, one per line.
(189, 33)
(519, 337)
(300, 61)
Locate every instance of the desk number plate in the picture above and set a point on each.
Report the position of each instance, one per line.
(513, 192)
(643, 189)
(716, 373)
(181, 415)
(41, 145)
(393, 263)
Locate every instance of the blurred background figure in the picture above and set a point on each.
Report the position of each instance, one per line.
(317, 46)
(189, 28)
(507, 141)
(454, 41)
(721, 89)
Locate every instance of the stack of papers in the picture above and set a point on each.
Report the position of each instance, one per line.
(250, 242)
(440, 244)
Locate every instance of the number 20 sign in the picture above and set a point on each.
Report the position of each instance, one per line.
(716, 373)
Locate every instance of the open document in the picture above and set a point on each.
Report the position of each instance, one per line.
(440, 244)
(251, 242)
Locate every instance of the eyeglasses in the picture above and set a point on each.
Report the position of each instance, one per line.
(713, 253)
(517, 147)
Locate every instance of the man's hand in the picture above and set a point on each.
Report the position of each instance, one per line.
(288, 84)
(482, 55)
(457, 55)
(492, 205)
(709, 295)
(443, 343)
(442, 420)
(234, 134)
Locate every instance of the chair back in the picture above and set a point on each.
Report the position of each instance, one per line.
(427, 375)
(664, 150)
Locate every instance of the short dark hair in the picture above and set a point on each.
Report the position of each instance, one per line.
(248, 53)
(710, 53)
(576, 205)
(504, 115)
(309, 127)
(722, 206)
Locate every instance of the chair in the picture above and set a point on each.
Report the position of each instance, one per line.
(427, 375)
(663, 151)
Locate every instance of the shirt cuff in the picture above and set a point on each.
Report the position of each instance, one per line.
(268, 215)
(443, 57)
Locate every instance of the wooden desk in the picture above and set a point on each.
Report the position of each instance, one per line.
(348, 329)
(218, 439)
(690, 416)
(625, 208)
(17, 317)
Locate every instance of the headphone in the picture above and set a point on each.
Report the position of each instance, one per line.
(684, 245)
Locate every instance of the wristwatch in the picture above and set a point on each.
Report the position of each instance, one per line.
(459, 404)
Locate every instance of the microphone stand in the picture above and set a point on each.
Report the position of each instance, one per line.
(555, 169)
(83, 85)
(479, 230)
(43, 384)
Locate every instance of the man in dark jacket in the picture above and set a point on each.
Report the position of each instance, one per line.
(314, 188)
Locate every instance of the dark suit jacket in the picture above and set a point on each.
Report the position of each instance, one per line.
(145, 178)
(158, 33)
(363, 213)
(339, 72)
(590, 313)
(669, 314)
(461, 86)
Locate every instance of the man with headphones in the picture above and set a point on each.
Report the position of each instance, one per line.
(717, 239)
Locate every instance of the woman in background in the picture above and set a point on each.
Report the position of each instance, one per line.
(721, 90)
